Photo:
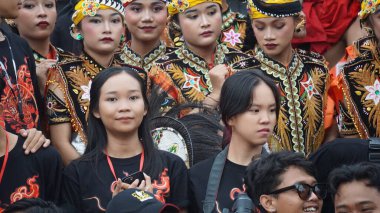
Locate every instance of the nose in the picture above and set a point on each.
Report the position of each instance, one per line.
(204, 21)
(107, 27)
(41, 11)
(147, 16)
(269, 34)
(265, 117)
(313, 196)
(124, 106)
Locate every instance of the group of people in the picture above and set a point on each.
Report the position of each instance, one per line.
(206, 104)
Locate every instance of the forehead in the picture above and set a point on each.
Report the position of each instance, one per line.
(294, 175)
(121, 82)
(271, 20)
(356, 193)
(202, 6)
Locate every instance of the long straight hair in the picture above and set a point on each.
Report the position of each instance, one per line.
(96, 132)
(237, 95)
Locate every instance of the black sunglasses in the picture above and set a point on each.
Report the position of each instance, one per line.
(304, 190)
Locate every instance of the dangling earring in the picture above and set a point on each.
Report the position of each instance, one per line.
(122, 39)
(300, 26)
(79, 37)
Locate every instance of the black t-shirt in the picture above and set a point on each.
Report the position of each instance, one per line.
(30, 176)
(22, 88)
(89, 189)
(231, 184)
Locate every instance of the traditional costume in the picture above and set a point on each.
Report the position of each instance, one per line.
(73, 77)
(182, 74)
(303, 86)
(360, 83)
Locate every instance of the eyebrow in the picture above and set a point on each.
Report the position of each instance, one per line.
(274, 21)
(257, 105)
(130, 91)
(100, 16)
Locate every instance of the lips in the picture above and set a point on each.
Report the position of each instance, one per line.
(311, 209)
(147, 28)
(270, 46)
(43, 24)
(107, 39)
(264, 130)
(206, 33)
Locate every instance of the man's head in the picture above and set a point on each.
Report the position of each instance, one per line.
(284, 182)
(356, 188)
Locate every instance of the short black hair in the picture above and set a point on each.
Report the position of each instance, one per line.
(364, 171)
(264, 174)
(33, 205)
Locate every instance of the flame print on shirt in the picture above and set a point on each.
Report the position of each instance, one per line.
(9, 100)
(32, 190)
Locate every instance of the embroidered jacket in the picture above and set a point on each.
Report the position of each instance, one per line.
(130, 57)
(184, 76)
(361, 88)
(233, 31)
(73, 76)
(303, 87)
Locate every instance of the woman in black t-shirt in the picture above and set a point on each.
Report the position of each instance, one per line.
(249, 107)
(120, 144)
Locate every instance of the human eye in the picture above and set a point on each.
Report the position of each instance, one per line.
(49, 5)
(116, 20)
(28, 5)
(95, 20)
(134, 97)
(259, 27)
(192, 16)
(111, 99)
(212, 12)
(158, 8)
(135, 9)
(279, 26)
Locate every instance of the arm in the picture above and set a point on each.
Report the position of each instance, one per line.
(61, 139)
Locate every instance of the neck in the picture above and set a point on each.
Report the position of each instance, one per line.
(285, 57)
(241, 152)
(40, 46)
(122, 146)
(206, 53)
(142, 47)
(224, 6)
(103, 59)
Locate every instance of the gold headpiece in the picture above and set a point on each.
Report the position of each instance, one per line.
(368, 7)
(178, 6)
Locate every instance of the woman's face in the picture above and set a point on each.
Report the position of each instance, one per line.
(121, 105)
(146, 19)
(274, 35)
(102, 32)
(36, 19)
(201, 25)
(289, 201)
(255, 125)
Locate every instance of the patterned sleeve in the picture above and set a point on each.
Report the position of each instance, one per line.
(56, 109)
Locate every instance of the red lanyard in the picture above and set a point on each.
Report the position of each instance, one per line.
(5, 157)
(113, 170)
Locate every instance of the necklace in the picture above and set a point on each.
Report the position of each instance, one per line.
(113, 169)
(5, 157)
(18, 95)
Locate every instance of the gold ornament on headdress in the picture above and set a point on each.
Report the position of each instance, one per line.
(179, 6)
(90, 7)
(368, 7)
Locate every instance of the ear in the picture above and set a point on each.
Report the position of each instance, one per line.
(96, 114)
(76, 33)
(231, 122)
(145, 111)
(268, 203)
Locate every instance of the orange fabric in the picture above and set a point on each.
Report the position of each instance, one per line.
(335, 93)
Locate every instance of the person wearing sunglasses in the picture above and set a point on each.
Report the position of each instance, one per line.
(356, 188)
(284, 182)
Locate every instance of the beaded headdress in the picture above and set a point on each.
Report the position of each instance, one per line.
(90, 7)
(368, 7)
(178, 6)
(273, 8)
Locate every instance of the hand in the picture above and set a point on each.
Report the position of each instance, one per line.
(34, 140)
(145, 185)
(218, 75)
(43, 66)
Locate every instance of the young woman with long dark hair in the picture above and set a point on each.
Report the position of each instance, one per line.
(249, 108)
(120, 143)
(99, 25)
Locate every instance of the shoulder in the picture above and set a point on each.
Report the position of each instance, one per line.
(170, 56)
(310, 56)
(172, 160)
(359, 61)
(203, 167)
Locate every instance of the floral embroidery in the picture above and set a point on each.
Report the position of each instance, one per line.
(191, 82)
(86, 91)
(374, 92)
(310, 88)
(181, 5)
(90, 7)
(232, 37)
